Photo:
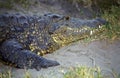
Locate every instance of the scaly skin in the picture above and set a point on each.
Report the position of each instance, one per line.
(13, 52)
(31, 31)
(41, 35)
(44, 34)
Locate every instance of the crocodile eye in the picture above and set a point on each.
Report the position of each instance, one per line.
(67, 18)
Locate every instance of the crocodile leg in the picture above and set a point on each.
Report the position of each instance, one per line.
(13, 52)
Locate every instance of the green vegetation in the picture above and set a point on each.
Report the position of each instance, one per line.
(84, 72)
(27, 74)
(87, 72)
(9, 4)
(97, 3)
(77, 72)
(112, 29)
(6, 74)
(24, 3)
(6, 4)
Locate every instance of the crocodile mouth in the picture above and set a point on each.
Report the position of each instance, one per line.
(65, 35)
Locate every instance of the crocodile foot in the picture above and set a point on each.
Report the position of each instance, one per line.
(13, 52)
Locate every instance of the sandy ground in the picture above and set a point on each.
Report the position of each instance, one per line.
(104, 54)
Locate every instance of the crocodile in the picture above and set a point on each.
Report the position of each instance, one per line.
(40, 35)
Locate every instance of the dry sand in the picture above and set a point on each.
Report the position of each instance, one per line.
(104, 54)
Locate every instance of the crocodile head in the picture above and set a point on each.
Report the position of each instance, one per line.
(73, 29)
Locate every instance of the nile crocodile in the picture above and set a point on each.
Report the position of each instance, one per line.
(28, 36)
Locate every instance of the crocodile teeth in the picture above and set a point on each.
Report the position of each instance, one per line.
(91, 32)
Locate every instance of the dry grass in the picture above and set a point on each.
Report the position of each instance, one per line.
(87, 72)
